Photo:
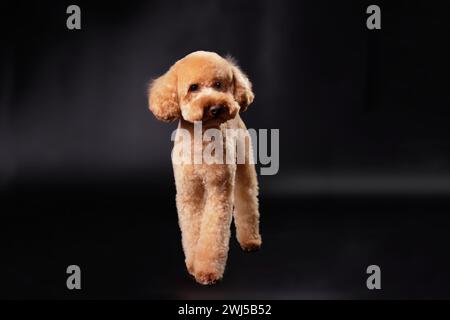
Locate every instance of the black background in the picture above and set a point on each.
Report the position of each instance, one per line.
(85, 173)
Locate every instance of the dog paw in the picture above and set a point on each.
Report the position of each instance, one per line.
(251, 244)
(207, 278)
(207, 271)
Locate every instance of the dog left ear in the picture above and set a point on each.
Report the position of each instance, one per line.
(243, 93)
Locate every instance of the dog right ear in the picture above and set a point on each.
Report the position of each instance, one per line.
(163, 97)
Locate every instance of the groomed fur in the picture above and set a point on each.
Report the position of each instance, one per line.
(208, 193)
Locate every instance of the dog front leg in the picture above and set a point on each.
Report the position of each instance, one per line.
(190, 200)
(212, 247)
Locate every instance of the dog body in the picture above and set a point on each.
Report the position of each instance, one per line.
(208, 89)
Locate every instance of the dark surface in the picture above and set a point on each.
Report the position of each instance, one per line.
(314, 247)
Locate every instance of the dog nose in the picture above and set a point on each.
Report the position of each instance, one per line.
(215, 110)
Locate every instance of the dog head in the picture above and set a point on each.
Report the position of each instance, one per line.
(202, 86)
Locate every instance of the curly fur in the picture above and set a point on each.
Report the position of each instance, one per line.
(208, 193)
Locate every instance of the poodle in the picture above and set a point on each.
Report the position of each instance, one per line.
(205, 88)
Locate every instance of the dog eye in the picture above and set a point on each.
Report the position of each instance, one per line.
(193, 87)
(217, 84)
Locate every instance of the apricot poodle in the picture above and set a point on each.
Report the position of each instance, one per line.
(204, 88)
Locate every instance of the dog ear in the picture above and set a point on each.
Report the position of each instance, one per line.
(243, 93)
(163, 97)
